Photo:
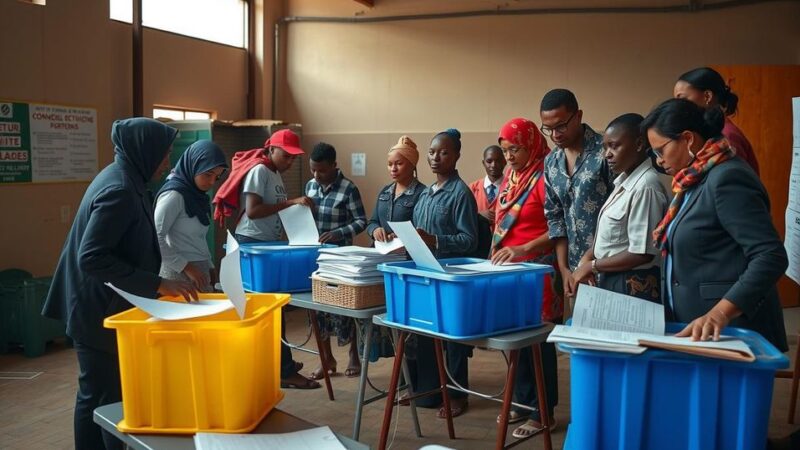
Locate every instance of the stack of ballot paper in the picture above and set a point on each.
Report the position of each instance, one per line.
(609, 321)
(354, 265)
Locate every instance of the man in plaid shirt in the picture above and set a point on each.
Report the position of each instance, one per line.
(340, 213)
(340, 216)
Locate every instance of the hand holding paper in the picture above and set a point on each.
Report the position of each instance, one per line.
(300, 226)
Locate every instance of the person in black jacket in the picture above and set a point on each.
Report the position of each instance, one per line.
(723, 256)
(113, 239)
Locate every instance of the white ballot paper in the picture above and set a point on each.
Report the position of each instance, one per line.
(388, 247)
(321, 438)
(230, 276)
(166, 310)
(610, 321)
(300, 226)
(415, 246)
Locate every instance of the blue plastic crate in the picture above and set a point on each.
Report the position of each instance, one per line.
(667, 400)
(464, 306)
(276, 267)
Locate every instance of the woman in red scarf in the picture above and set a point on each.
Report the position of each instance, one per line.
(521, 235)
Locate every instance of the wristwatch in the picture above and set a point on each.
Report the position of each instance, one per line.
(594, 267)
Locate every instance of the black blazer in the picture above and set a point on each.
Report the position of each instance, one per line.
(112, 239)
(723, 245)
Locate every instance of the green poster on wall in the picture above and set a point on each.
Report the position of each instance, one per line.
(40, 143)
(15, 143)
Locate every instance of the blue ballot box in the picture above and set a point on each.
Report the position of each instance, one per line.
(278, 267)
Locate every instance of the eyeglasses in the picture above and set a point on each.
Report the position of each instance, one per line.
(659, 151)
(561, 128)
(512, 151)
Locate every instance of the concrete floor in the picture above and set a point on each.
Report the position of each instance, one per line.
(37, 413)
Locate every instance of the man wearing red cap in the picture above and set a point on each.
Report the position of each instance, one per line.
(257, 174)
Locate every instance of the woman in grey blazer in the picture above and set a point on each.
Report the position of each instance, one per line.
(723, 256)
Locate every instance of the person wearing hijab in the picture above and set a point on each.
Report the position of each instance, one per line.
(623, 258)
(446, 218)
(521, 234)
(395, 203)
(112, 240)
(706, 88)
(182, 215)
(723, 256)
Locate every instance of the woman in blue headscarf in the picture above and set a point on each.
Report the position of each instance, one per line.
(113, 240)
(182, 214)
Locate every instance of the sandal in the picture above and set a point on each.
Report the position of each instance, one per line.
(297, 384)
(352, 372)
(532, 427)
(456, 409)
(317, 374)
(514, 417)
(403, 399)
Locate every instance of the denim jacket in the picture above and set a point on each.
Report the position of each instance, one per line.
(450, 214)
(391, 209)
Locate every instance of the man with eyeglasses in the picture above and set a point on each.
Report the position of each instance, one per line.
(577, 182)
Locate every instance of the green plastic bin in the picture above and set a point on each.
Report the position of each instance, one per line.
(21, 320)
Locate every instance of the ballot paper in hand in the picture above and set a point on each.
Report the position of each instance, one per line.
(300, 226)
(230, 276)
(387, 247)
(610, 321)
(167, 310)
(415, 246)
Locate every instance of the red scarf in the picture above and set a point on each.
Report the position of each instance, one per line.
(226, 200)
(712, 154)
(520, 133)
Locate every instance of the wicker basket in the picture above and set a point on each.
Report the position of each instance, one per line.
(347, 295)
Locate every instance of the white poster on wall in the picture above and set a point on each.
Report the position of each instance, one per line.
(64, 142)
(792, 241)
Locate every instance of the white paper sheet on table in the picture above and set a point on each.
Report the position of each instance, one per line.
(485, 266)
(388, 247)
(166, 310)
(230, 276)
(300, 226)
(321, 438)
(415, 246)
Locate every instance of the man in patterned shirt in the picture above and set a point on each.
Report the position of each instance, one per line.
(340, 217)
(577, 182)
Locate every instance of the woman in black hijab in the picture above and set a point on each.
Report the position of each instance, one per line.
(112, 239)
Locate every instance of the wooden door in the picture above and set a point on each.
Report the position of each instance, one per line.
(765, 116)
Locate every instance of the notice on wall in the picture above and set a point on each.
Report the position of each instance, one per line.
(792, 241)
(41, 142)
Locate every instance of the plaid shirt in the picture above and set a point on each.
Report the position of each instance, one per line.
(339, 209)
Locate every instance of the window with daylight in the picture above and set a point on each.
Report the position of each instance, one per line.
(222, 21)
(180, 114)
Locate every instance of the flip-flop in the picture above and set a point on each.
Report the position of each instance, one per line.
(317, 374)
(514, 417)
(309, 384)
(455, 411)
(403, 400)
(530, 427)
(352, 372)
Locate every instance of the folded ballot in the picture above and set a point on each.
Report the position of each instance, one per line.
(609, 321)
